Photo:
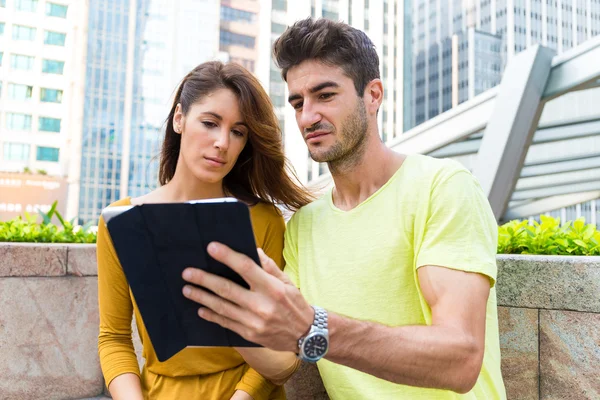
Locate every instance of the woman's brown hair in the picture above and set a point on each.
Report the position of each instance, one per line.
(262, 172)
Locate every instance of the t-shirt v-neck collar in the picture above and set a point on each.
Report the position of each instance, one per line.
(372, 196)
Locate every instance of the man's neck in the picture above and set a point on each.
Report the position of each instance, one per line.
(370, 172)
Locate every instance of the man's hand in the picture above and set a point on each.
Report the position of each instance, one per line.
(271, 313)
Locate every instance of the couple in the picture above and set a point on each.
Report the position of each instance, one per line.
(389, 277)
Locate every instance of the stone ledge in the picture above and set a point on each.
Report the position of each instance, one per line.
(306, 383)
(48, 338)
(33, 259)
(519, 348)
(81, 260)
(549, 282)
(569, 355)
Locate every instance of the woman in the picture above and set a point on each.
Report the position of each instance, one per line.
(222, 139)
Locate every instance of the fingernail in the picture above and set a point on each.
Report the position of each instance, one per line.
(201, 312)
(187, 290)
(212, 247)
(187, 274)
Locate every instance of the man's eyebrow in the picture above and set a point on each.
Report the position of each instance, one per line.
(314, 89)
(323, 85)
(217, 116)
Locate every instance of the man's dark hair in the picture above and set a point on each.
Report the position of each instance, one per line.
(332, 43)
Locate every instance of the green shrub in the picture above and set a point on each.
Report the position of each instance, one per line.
(29, 230)
(549, 237)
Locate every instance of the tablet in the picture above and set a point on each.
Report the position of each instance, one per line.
(156, 242)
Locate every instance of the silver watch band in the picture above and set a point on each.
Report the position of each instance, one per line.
(320, 320)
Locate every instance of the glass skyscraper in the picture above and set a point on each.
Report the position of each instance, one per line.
(460, 48)
(104, 106)
(137, 53)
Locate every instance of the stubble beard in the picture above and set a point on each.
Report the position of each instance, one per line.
(349, 148)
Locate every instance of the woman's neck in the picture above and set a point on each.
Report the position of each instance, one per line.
(184, 186)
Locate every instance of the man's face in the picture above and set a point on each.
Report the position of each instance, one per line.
(331, 116)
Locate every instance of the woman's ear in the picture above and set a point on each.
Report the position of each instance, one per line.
(178, 119)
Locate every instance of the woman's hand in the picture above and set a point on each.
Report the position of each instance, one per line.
(241, 395)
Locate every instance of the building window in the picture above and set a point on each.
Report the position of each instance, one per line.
(235, 15)
(18, 122)
(2, 3)
(280, 5)
(16, 152)
(323, 169)
(51, 95)
(19, 92)
(277, 28)
(47, 154)
(349, 12)
(1, 28)
(278, 100)
(56, 10)
(244, 62)
(48, 124)
(275, 76)
(229, 38)
(54, 38)
(53, 66)
(332, 15)
(1, 57)
(26, 5)
(20, 32)
(18, 61)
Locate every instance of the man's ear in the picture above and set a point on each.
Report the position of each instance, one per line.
(373, 96)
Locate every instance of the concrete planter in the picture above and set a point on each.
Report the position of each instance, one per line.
(48, 322)
(549, 310)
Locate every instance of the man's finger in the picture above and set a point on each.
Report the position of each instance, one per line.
(271, 267)
(222, 287)
(238, 262)
(210, 315)
(217, 304)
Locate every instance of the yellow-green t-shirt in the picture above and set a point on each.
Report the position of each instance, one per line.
(363, 264)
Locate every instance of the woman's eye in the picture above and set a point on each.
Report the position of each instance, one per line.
(209, 124)
(238, 133)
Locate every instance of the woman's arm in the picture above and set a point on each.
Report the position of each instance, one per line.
(126, 387)
(241, 395)
(276, 366)
(115, 347)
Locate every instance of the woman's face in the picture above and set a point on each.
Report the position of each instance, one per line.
(213, 134)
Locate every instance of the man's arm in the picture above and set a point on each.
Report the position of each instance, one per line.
(446, 355)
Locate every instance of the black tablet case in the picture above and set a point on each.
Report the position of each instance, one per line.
(155, 243)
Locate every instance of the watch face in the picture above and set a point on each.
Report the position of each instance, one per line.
(315, 346)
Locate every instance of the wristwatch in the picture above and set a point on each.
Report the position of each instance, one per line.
(314, 345)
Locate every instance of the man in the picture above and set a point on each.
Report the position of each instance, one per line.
(398, 259)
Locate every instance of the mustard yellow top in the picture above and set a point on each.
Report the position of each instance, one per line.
(193, 373)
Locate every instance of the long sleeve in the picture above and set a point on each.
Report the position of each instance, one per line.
(115, 346)
(256, 385)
